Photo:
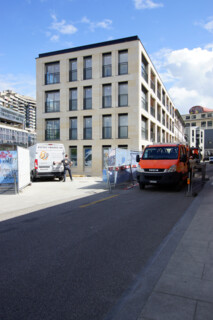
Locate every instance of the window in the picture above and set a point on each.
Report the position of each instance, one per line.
(52, 101)
(159, 153)
(144, 128)
(158, 90)
(87, 68)
(123, 62)
(73, 101)
(73, 156)
(187, 124)
(73, 70)
(87, 98)
(107, 65)
(123, 126)
(194, 116)
(203, 115)
(123, 94)
(163, 118)
(73, 128)
(144, 100)
(159, 113)
(209, 115)
(193, 124)
(123, 146)
(152, 81)
(187, 117)
(203, 123)
(87, 127)
(107, 96)
(88, 156)
(107, 127)
(52, 73)
(144, 66)
(209, 123)
(52, 131)
(152, 106)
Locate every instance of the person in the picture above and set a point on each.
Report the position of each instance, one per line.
(67, 164)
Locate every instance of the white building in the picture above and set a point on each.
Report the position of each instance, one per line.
(101, 96)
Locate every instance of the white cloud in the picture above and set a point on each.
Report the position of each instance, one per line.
(54, 38)
(188, 74)
(62, 27)
(146, 4)
(105, 24)
(209, 26)
(21, 83)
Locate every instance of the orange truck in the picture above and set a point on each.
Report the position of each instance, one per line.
(163, 164)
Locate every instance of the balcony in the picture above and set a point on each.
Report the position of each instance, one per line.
(144, 134)
(144, 104)
(152, 111)
(52, 106)
(73, 103)
(107, 132)
(52, 134)
(73, 134)
(159, 94)
(51, 78)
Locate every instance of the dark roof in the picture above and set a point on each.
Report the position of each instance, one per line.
(89, 46)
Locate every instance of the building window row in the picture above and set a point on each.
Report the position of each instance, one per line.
(203, 124)
(52, 70)
(52, 98)
(52, 128)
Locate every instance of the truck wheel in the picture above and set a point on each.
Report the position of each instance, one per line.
(142, 185)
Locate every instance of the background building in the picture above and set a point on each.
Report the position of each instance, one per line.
(17, 120)
(101, 96)
(22, 104)
(199, 129)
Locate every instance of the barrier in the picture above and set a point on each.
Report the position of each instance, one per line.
(121, 167)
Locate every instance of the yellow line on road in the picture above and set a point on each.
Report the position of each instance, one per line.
(94, 202)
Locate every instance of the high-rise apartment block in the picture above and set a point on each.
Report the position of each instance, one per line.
(17, 120)
(101, 96)
(22, 104)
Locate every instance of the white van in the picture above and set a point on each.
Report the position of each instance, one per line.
(42, 156)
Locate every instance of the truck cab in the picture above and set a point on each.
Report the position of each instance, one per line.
(163, 164)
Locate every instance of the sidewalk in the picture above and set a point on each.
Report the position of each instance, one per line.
(185, 288)
(43, 194)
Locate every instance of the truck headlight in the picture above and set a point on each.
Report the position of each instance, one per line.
(139, 169)
(173, 168)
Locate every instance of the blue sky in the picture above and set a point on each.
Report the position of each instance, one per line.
(178, 36)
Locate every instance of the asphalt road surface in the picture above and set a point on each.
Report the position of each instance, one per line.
(80, 260)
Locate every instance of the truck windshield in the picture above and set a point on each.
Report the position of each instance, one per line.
(155, 153)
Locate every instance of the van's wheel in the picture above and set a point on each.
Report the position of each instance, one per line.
(60, 178)
(142, 185)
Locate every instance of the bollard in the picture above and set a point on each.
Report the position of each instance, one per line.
(108, 181)
(189, 183)
(15, 183)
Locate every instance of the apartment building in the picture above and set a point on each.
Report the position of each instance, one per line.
(13, 131)
(101, 96)
(22, 104)
(199, 129)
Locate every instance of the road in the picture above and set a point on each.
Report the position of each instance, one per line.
(80, 260)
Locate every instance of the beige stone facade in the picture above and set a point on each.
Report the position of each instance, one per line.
(99, 96)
